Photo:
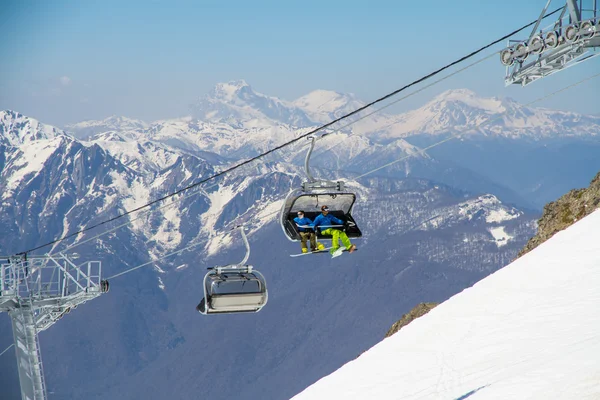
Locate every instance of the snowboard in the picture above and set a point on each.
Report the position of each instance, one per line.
(324, 251)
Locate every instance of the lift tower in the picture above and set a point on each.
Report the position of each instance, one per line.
(36, 292)
(573, 38)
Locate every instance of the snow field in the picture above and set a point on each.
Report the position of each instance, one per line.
(529, 331)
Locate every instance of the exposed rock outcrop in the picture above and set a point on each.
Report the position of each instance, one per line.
(565, 211)
(418, 311)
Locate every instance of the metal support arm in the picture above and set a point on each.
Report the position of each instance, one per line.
(307, 159)
(245, 260)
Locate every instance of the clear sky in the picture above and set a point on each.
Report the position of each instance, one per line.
(70, 60)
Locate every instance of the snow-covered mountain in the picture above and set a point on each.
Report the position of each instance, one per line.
(149, 319)
(17, 129)
(324, 106)
(462, 111)
(235, 106)
(114, 123)
(136, 151)
(530, 330)
(431, 227)
(46, 172)
(232, 141)
(236, 122)
(237, 103)
(28, 146)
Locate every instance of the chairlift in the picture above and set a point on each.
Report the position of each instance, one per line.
(311, 196)
(234, 288)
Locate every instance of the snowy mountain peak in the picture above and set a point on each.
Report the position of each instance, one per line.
(325, 105)
(319, 101)
(456, 94)
(462, 110)
(466, 98)
(230, 90)
(111, 136)
(236, 102)
(17, 129)
(112, 123)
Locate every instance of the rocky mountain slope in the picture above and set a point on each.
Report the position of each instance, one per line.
(418, 311)
(564, 212)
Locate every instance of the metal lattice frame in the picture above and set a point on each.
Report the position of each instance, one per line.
(573, 38)
(36, 292)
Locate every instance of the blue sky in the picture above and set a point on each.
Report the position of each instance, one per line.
(67, 61)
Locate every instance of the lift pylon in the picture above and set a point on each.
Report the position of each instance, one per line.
(573, 38)
(36, 292)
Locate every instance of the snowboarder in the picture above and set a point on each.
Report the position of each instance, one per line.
(307, 233)
(328, 221)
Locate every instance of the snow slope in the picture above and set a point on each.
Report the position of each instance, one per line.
(16, 129)
(529, 331)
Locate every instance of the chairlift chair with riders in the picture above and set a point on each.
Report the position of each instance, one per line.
(310, 197)
(234, 288)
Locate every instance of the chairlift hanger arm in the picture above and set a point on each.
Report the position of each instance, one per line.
(313, 183)
(247, 246)
(307, 159)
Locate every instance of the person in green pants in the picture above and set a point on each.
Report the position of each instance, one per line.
(330, 226)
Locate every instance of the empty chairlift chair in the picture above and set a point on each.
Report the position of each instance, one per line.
(235, 288)
(310, 197)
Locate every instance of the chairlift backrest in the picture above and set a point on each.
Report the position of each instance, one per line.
(233, 290)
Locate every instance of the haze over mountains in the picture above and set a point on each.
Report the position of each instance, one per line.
(502, 146)
(452, 111)
(433, 224)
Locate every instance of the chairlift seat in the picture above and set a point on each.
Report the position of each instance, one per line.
(233, 289)
(340, 206)
(237, 302)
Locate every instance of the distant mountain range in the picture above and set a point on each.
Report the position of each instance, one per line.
(502, 147)
(433, 224)
(237, 105)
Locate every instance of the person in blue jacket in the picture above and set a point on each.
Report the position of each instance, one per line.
(332, 225)
(307, 233)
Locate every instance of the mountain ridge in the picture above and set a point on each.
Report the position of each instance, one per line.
(564, 212)
(252, 123)
(455, 110)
